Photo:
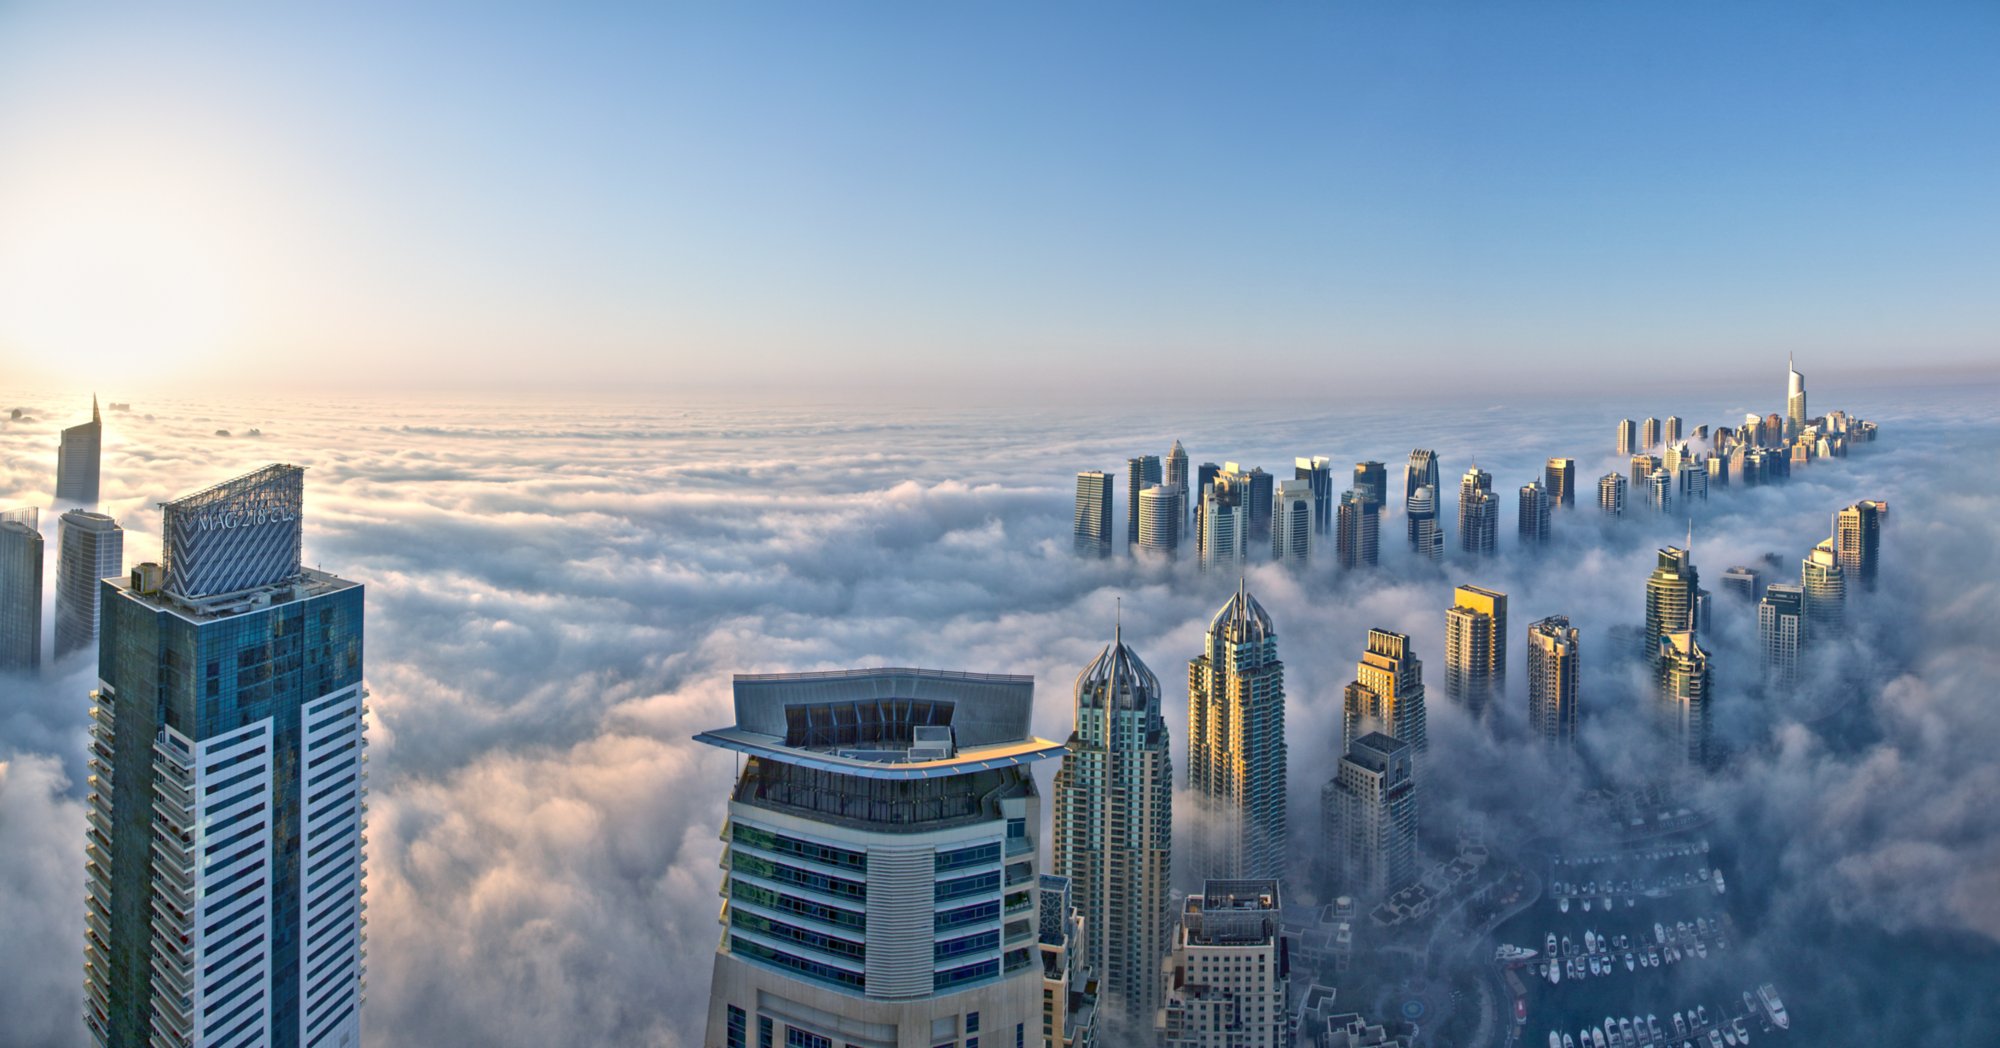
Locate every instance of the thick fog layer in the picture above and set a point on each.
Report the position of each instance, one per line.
(558, 595)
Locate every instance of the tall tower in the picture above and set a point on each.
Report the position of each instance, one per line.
(1371, 482)
(1553, 673)
(1475, 639)
(1857, 540)
(1685, 694)
(1368, 814)
(1670, 433)
(1825, 591)
(1318, 471)
(1236, 744)
(1559, 476)
(1294, 510)
(1795, 400)
(1478, 513)
(224, 857)
(1162, 515)
(1660, 490)
(1781, 632)
(1534, 523)
(1672, 592)
(1222, 528)
(1177, 466)
(1069, 999)
(1426, 538)
(1387, 693)
(1611, 494)
(1139, 472)
(1114, 829)
(880, 862)
(1257, 500)
(1421, 473)
(1093, 513)
(1359, 533)
(1649, 434)
(1628, 436)
(21, 590)
(77, 459)
(89, 546)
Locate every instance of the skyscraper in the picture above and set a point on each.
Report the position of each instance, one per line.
(1421, 473)
(1611, 494)
(1649, 434)
(1825, 587)
(1671, 432)
(1359, 531)
(1534, 520)
(21, 590)
(1069, 1000)
(1628, 436)
(1475, 647)
(1093, 513)
(1795, 400)
(89, 546)
(1559, 476)
(1684, 695)
(1426, 538)
(1177, 466)
(1387, 693)
(1857, 540)
(1292, 515)
(1671, 593)
(1236, 744)
(1221, 530)
(1228, 981)
(1114, 829)
(225, 855)
(1660, 491)
(1368, 814)
(1318, 471)
(1161, 517)
(881, 878)
(77, 459)
(1139, 472)
(1691, 482)
(1553, 672)
(1371, 481)
(1643, 467)
(1478, 513)
(1781, 632)
(1257, 498)
(1741, 581)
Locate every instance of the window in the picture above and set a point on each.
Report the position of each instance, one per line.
(1020, 1035)
(797, 1038)
(763, 1031)
(971, 1025)
(738, 1026)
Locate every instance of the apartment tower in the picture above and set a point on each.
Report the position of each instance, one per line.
(1236, 745)
(1553, 674)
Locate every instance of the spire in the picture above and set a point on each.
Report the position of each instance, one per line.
(93, 409)
(1118, 623)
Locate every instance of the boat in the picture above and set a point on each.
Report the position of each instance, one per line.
(1568, 1041)
(1630, 902)
(1567, 951)
(1729, 1037)
(1701, 949)
(1719, 886)
(1562, 904)
(1549, 944)
(1653, 1027)
(1511, 954)
(1659, 933)
(1631, 963)
(1774, 1007)
(1555, 973)
(1597, 1038)
(1607, 902)
(1749, 1003)
(1701, 1014)
(1680, 1026)
(1555, 1040)
(1742, 1030)
(1625, 1032)
(1589, 942)
(1586, 905)
(1652, 957)
(1611, 1030)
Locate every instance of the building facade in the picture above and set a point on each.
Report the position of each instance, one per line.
(77, 460)
(1478, 514)
(1825, 591)
(1162, 516)
(1796, 415)
(1317, 471)
(1420, 473)
(224, 857)
(1093, 513)
(1369, 816)
(880, 862)
(1559, 477)
(1222, 530)
(1293, 513)
(1236, 745)
(1426, 538)
(1387, 693)
(21, 559)
(1534, 514)
(1628, 436)
(1475, 640)
(1139, 472)
(1684, 694)
(1371, 481)
(1857, 540)
(89, 547)
(1177, 466)
(1673, 591)
(1611, 494)
(1228, 982)
(1069, 1007)
(1359, 532)
(1781, 633)
(1554, 671)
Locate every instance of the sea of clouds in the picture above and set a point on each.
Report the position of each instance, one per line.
(559, 592)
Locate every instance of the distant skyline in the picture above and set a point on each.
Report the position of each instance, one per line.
(995, 202)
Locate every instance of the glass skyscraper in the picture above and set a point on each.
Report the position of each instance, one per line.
(1318, 470)
(21, 555)
(1553, 675)
(1093, 513)
(224, 854)
(1358, 541)
(1475, 647)
(1139, 472)
(89, 547)
(1236, 745)
(77, 460)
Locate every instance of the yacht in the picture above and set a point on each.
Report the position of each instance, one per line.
(1719, 886)
(1769, 995)
(1555, 1040)
(1742, 1030)
(1680, 1026)
(1659, 933)
(1568, 1041)
(1631, 963)
(1653, 1027)
(1701, 1014)
(1586, 905)
(1562, 904)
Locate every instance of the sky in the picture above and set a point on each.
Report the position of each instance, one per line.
(1003, 201)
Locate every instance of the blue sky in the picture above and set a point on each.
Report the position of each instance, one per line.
(1012, 198)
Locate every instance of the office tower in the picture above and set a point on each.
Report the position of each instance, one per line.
(89, 546)
(1642, 471)
(1553, 673)
(1371, 482)
(1534, 519)
(1781, 632)
(1671, 432)
(1795, 400)
(1611, 493)
(1857, 540)
(1387, 693)
(1236, 744)
(880, 862)
(1691, 482)
(1559, 476)
(1701, 433)
(1221, 530)
(1671, 593)
(77, 459)
(1825, 592)
(1478, 513)
(1684, 694)
(1628, 436)
(225, 854)
(1113, 828)
(1649, 434)
(1359, 531)
(1718, 470)
(1177, 466)
(1069, 998)
(1139, 472)
(1093, 513)
(1161, 517)
(1292, 514)
(1775, 436)
(1205, 475)
(21, 590)
(1741, 581)
(1426, 538)
(1257, 502)
(1660, 491)
(1421, 473)
(1319, 472)
(1475, 647)
(1368, 814)
(1228, 981)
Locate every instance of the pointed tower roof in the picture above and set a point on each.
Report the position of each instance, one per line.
(94, 417)
(1119, 674)
(1243, 619)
